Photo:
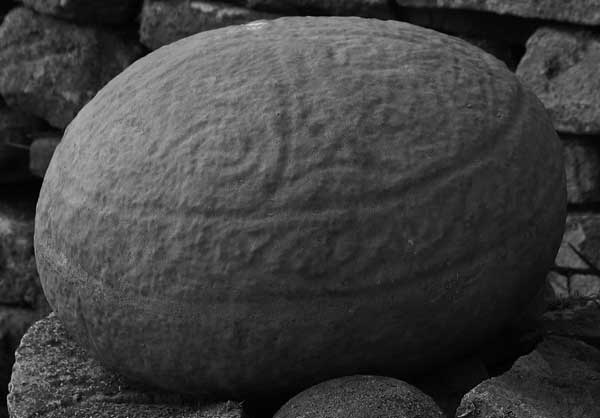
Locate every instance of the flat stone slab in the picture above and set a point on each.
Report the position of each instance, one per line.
(561, 67)
(580, 246)
(53, 377)
(559, 379)
(582, 169)
(94, 11)
(585, 12)
(51, 68)
(40, 154)
(166, 21)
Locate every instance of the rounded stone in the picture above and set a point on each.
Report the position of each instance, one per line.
(361, 397)
(259, 208)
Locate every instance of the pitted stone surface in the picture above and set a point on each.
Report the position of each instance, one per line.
(361, 396)
(54, 378)
(582, 168)
(241, 206)
(51, 68)
(560, 378)
(561, 67)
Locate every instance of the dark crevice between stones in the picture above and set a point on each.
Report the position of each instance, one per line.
(22, 197)
(587, 208)
(394, 9)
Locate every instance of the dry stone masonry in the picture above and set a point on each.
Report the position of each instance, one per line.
(55, 55)
(52, 68)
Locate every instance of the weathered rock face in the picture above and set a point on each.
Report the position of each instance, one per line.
(13, 324)
(40, 154)
(15, 128)
(561, 67)
(92, 11)
(365, 8)
(581, 11)
(53, 377)
(361, 396)
(266, 193)
(582, 167)
(51, 68)
(165, 21)
(580, 247)
(560, 378)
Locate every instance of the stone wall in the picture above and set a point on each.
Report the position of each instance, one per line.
(56, 54)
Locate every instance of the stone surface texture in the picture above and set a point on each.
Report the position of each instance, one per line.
(257, 168)
(15, 129)
(582, 168)
(165, 21)
(560, 378)
(580, 247)
(365, 8)
(13, 324)
(53, 377)
(40, 154)
(51, 68)
(361, 396)
(19, 281)
(580, 11)
(561, 67)
(92, 11)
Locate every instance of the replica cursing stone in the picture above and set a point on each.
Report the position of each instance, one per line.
(255, 209)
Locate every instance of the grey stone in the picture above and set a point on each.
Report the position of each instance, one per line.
(585, 286)
(105, 11)
(15, 128)
(582, 169)
(165, 21)
(580, 247)
(52, 68)
(13, 324)
(361, 396)
(366, 8)
(40, 154)
(561, 67)
(580, 11)
(559, 285)
(574, 318)
(53, 377)
(560, 378)
(19, 281)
